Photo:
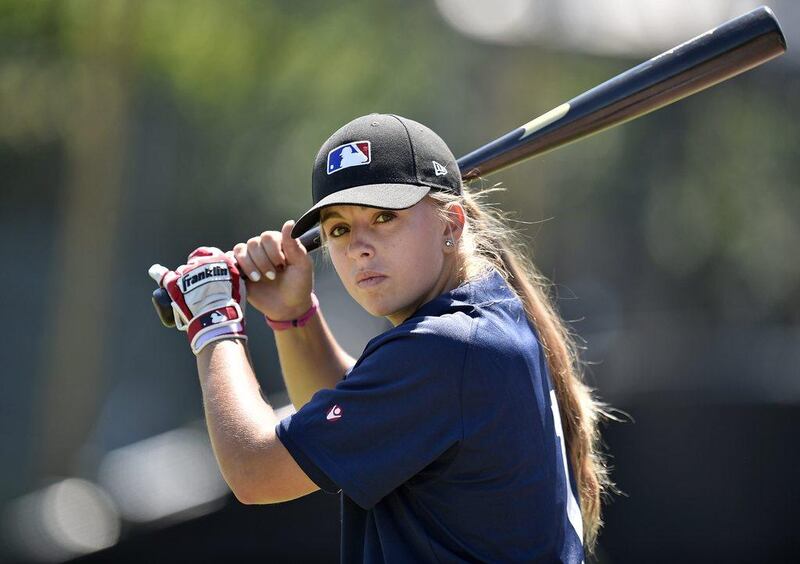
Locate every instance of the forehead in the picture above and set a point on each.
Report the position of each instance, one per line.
(342, 211)
(347, 211)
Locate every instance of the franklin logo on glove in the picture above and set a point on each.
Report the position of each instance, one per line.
(207, 273)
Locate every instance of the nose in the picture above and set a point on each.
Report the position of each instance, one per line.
(359, 245)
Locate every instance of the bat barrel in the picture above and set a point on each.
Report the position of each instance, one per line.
(717, 55)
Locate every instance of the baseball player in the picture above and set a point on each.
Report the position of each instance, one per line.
(462, 434)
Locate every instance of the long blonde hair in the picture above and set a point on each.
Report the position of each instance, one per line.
(488, 242)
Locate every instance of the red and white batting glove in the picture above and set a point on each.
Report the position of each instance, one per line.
(207, 294)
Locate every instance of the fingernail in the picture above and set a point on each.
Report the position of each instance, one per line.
(255, 276)
(270, 275)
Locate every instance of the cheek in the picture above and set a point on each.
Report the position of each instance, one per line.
(417, 254)
(339, 262)
(421, 258)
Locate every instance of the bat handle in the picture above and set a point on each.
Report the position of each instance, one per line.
(311, 239)
(162, 303)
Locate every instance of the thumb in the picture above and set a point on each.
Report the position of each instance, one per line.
(157, 273)
(292, 248)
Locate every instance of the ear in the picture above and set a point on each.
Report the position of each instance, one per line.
(454, 226)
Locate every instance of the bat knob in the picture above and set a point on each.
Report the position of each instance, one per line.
(163, 305)
(161, 300)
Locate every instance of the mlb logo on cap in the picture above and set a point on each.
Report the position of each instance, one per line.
(352, 154)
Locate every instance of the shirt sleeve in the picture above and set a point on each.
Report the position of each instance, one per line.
(396, 411)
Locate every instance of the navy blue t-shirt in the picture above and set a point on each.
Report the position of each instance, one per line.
(445, 440)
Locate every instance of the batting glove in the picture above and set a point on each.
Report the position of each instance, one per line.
(207, 295)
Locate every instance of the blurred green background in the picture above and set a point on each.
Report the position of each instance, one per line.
(133, 131)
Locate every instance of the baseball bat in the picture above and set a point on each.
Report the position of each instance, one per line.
(717, 55)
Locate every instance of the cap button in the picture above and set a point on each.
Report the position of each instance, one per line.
(374, 124)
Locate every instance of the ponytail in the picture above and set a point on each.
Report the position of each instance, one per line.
(487, 242)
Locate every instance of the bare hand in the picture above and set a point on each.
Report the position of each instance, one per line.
(279, 271)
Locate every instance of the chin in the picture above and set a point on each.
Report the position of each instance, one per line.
(377, 310)
(377, 307)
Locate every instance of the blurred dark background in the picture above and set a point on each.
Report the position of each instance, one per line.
(133, 131)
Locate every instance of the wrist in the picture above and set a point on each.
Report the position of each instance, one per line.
(302, 317)
(284, 312)
(224, 322)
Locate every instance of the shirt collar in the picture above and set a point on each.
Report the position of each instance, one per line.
(486, 288)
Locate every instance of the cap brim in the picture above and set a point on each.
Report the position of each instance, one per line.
(387, 196)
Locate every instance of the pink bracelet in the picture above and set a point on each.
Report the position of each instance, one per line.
(299, 322)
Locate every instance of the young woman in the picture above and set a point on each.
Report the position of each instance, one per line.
(462, 434)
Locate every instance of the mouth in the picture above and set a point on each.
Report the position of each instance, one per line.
(367, 279)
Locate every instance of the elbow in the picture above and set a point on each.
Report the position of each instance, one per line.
(264, 475)
(246, 498)
(255, 487)
(250, 496)
(265, 493)
(243, 468)
(242, 495)
(247, 492)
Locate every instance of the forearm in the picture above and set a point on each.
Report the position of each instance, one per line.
(240, 421)
(311, 359)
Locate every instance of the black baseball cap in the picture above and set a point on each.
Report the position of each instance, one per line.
(382, 161)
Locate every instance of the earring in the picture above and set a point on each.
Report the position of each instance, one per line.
(448, 243)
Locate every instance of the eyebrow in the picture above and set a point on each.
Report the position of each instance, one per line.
(326, 215)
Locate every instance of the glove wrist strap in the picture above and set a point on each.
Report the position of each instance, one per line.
(222, 322)
(235, 331)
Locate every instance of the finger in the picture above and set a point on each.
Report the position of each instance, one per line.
(230, 258)
(271, 243)
(292, 248)
(157, 273)
(246, 266)
(200, 252)
(259, 257)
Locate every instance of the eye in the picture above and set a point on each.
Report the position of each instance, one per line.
(337, 231)
(385, 217)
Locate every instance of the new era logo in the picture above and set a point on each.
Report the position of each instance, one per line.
(334, 413)
(352, 154)
(439, 169)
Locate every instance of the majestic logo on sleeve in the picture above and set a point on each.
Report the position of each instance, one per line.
(352, 154)
(334, 413)
(201, 275)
